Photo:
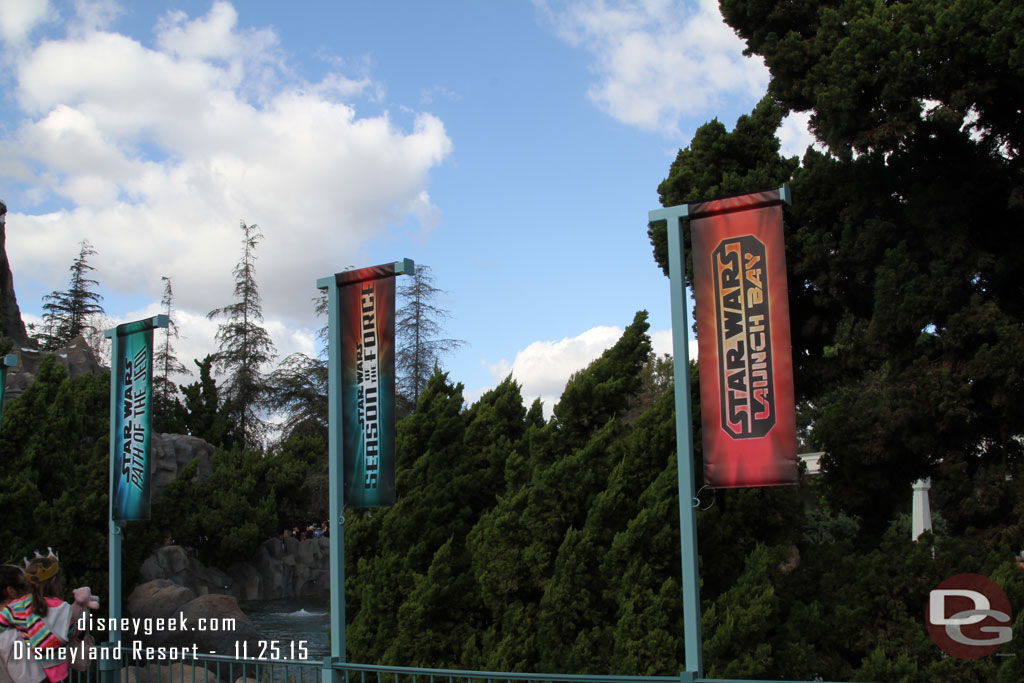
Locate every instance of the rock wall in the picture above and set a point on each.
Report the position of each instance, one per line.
(10, 315)
(281, 568)
(164, 599)
(171, 453)
(77, 358)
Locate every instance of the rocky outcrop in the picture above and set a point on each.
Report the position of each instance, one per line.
(175, 673)
(282, 568)
(158, 598)
(214, 623)
(290, 568)
(11, 324)
(173, 563)
(77, 358)
(171, 453)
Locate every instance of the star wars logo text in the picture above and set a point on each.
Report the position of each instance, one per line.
(744, 337)
(136, 382)
(368, 393)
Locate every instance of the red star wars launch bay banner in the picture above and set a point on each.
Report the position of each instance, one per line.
(367, 302)
(744, 349)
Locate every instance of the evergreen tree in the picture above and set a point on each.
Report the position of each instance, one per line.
(54, 467)
(902, 241)
(906, 327)
(165, 364)
(66, 314)
(202, 414)
(245, 346)
(419, 324)
(526, 553)
(299, 388)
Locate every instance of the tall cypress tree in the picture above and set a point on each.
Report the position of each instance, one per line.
(66, 314)
(245, 346)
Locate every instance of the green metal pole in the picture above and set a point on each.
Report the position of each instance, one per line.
(9, 361)
(674, 216)
(336, 474)
(109, 667)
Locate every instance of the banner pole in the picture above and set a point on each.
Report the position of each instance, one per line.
(674, 216)
(111, 662)
(336, 431)
(8, 361)
(336, 472)
(114, 549)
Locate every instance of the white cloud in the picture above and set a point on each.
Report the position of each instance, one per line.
(158, 152)
(658, 60)
(19, 17)
(93, 15)
(795, 135)
(544, 367)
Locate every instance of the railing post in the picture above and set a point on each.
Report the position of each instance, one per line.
(109, 665)
(329, 674)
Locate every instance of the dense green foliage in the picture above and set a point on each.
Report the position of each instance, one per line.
(54, 474)
(524, 544)
(517, 544)
(902, 240)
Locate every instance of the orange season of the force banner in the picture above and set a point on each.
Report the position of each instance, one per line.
(744, 348)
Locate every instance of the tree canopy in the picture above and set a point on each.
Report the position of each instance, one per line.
(902, 239)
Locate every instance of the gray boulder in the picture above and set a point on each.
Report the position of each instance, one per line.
(213, 623)
(171, 453)
(175, 564)
(77, 358)
(159, 598)
(176, 672)
(281, 568)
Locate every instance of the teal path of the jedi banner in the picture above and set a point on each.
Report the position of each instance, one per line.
(133, 373)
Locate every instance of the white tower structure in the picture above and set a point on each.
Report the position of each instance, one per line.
(922, 521)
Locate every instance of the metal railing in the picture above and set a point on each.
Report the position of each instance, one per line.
(210, 668)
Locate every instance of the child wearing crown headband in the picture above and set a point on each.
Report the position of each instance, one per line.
(61, 618)
(18, 617)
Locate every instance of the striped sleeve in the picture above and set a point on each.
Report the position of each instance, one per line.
(19, 614)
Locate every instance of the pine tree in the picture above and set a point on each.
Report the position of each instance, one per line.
(299, 388)
(245, 346)
(165, 364)
(66, 314)
(419, 324)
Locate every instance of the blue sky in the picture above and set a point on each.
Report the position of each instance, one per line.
(515, 147)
